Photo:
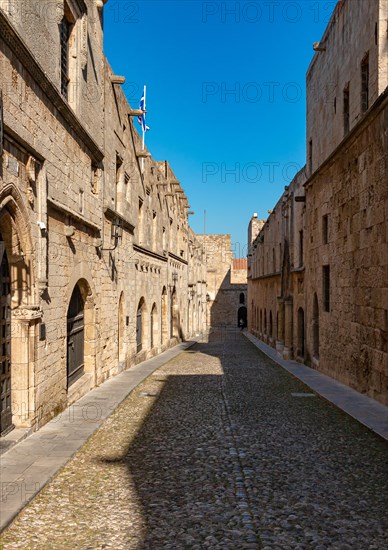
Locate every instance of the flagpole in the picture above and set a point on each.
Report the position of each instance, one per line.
(143, 129)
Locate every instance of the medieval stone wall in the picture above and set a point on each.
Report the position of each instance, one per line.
(352, 327)
(226, 286)
(276, 271)
(327, 295)
(356, 29)
(84, 215)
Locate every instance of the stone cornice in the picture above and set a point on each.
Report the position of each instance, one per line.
(148, 252)
(18, 47)
(112, 214)
(177, 258)
(267, 276)
(74, 215)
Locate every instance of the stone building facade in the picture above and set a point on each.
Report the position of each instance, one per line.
(226, 283)
(328, 301)
(99, 267)
(276, 273)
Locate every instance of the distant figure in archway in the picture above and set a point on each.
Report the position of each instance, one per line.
(242, 317)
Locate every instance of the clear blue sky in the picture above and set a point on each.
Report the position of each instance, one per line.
(225, 96)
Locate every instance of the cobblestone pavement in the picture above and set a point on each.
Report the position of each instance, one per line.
(214, 451)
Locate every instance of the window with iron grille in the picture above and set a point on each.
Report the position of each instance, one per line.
(65, 28)
(326, 287)
(365, 84)
(346, 110)
(300, 248)
(310, 156)
(325, 229)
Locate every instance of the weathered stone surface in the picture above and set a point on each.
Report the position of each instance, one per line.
(226, 282)
(70, 170)
(223, 457)
(338, 234)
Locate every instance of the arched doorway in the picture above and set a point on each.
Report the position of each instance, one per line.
(154, 325)
(75, 337)
(189, 317)
(121, 329)
(300, 350)
(194, 317)
(315, 327)
(242, 317)
(173, 314)
(5, 343)
(163, 332)
(23, 315)
(140, 326)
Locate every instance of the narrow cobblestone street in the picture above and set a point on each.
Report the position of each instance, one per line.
(219, 448)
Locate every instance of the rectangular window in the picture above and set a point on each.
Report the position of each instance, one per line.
(365, 84)
(300, 248)
(154, 230)
(81, 200)
(346, 110)
(94, 179)
(325, 229)
(65, 28)
(119, 164)
(164, 238)
(326, 287)
(140, 222)
(310, 157)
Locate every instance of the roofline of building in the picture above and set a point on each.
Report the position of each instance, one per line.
(340, 4)
(348, 140)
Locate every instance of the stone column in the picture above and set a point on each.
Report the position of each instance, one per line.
(24, 337)
(280, 326)
(287, 352)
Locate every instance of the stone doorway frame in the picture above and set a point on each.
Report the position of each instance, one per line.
(25, 310)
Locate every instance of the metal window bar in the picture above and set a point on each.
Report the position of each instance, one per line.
(346, 106)
(365, 84)
(64, 37)
(326, 287)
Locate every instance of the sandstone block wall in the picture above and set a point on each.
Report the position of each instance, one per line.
(71, 178)
(226, 286)
(352, 334)
(355, 29)
(276, 272)
(328, 293)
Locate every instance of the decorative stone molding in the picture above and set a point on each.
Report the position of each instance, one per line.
(84, 41)
(27, 313)
(31, 170)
